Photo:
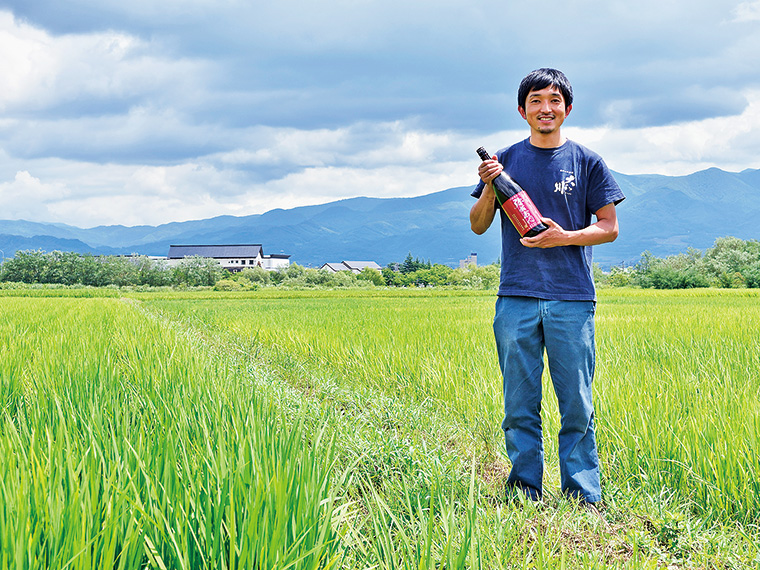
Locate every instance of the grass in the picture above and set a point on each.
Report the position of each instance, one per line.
(678, 390)
(127, 444)
(672, 382)
(355, 429)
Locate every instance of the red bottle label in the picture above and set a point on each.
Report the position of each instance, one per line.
(522, 212)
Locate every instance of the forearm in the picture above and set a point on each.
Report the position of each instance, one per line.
(604, 230)
(483, 211)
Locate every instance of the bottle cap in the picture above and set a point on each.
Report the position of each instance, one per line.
(483, 154)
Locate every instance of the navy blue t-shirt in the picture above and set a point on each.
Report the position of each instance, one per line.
(567, 184)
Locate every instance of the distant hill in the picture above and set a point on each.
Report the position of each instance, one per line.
(662, 214)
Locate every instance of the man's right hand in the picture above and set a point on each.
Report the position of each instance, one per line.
(489, 169)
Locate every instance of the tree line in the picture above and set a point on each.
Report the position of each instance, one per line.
(412, 272)
(70, 268)
(75, 269)
(730, 263)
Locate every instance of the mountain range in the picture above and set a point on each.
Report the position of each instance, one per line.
(664, 215)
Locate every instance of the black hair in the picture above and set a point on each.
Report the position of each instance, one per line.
(541, 79)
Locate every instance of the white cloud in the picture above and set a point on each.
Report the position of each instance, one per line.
(28, 61)
(747, 11)
(314, 167)
(27, 197)
(146, 112)
(730, 143)
(361, 145)
(43, 72)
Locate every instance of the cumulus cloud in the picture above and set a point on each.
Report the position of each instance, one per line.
(149, 112)
(314, 167)
(27, 197)
(730, 143)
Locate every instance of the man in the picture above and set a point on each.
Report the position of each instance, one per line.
(546, 294)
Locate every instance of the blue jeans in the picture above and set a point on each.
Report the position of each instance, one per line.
(524, 327)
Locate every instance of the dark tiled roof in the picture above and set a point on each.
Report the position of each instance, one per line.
(215, 251)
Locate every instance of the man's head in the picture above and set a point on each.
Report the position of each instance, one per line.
(541, 79)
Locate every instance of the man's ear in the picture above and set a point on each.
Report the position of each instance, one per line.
(522, 112)
(568, 109)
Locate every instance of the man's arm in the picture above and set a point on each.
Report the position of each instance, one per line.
(484, 210)
(604, 230)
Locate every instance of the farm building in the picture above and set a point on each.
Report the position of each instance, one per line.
(231, 257)
(352, 266)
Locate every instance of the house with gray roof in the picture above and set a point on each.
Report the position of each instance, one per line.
(352, 266)
(234, 258)
(334, 267)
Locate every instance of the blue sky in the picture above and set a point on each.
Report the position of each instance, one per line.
(147, 112)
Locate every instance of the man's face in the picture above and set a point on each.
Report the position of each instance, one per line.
(545, 110)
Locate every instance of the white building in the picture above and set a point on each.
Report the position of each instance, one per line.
(472, 259)
(231, 257)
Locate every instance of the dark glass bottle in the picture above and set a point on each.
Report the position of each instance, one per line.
(516, 203)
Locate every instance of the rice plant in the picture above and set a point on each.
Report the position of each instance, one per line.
(677, 377)
(359, 429)
(124, 444)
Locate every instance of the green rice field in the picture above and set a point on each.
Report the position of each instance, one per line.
(361, 429)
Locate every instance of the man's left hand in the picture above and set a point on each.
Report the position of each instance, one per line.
(553, 237)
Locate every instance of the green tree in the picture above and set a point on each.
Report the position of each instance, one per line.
(227, 285)
(411, 265)
(25, 267)
(150, 272)
(61, 267)
(436, 275)
(119, 271)
(342, 279)
(293, 271)
(752, 276)
(197, 272)
(372, 275)
(278, 276)
(316, 277)
(618, 277)
(682, 271)
(473, 277)
(257, 275)
(90, 271)
(392, 278)
(667, 277)
(600, 278)
(731, 261)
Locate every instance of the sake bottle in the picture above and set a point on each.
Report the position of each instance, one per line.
(516, 203)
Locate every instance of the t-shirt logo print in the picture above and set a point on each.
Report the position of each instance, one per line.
(567, 185)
